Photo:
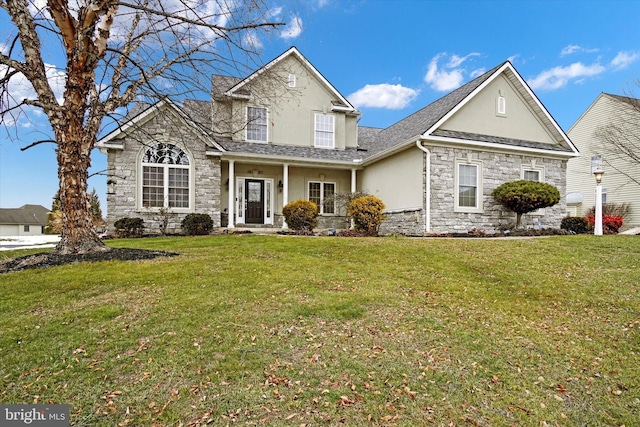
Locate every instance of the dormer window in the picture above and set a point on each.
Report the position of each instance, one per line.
(292, 80)
(501, 105)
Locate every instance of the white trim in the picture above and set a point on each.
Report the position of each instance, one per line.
(140, 181)
(266, 124)
(295, 52)
(523, 87)
(479, 208)
(321, 205)
(241, 197)
(316, 115)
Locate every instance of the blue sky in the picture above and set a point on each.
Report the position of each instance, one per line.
(391, 58)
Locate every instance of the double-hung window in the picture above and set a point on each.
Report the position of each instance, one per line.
(468, 188)
(324, 130)
(323, 195)
(257, 124)
(165, 177)
(532, 173)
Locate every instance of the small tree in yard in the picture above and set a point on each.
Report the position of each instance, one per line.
(525, 196)
(114, 53)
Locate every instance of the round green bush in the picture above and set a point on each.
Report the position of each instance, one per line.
(129, 227)
(301, 215)
(197, 224)
(525, 196)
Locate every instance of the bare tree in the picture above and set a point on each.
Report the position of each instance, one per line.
(620, 138)
(116, 52)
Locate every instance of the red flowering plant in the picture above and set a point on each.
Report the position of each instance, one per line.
(610, 223)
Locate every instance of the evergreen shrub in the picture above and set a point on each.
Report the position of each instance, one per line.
(197, 224)
(301, 215)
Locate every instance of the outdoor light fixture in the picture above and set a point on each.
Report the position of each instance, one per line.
(280, 185)
(111, 187)
(597, 227)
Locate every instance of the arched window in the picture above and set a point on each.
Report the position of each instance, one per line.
(165, 177)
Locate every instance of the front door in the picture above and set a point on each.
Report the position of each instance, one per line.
(254, 190)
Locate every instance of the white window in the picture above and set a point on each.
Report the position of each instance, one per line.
(292, 80)
(26, 228)
(604, 196)
(165, 177)
(468, 191)
(324, 130)
(532, 173)
(323, 195)
(257, 124)
(501, 106)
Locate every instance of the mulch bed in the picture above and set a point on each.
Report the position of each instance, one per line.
(46, 260)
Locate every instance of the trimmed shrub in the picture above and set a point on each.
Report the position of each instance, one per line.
(301, 215)
(367, 213)
(524, 196)
(197, 224)
(575, 224)
(610, 223)
(129, 227)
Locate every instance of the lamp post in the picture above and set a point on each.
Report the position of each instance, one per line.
(597, 228)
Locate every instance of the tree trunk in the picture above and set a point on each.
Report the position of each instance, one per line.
(518, 219)
(78, 232)
(75, 142)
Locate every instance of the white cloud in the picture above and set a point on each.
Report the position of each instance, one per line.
(449, 76)
(477, 72)
(393, 97)
(574, 48)
(624, 59)
(252, 40)
(558, 77)
(293, 29)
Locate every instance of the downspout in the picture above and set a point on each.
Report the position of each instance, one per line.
(427, 191)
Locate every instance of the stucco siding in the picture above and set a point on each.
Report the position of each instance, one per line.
(480, 115)
(397, 180)
(291, 110)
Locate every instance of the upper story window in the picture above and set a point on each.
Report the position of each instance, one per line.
(292, 80)
(257, 124)
(468, 193)
(165, 177)
(324, 130)
(501, 105)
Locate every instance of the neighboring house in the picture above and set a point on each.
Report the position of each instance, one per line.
(28, 220)
(286, 133)
(621, 179)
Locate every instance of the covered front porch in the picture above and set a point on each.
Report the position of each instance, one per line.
(256, 192)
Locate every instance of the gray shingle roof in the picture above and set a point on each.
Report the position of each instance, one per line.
(289, 151)
(24, 215)
(420, 121)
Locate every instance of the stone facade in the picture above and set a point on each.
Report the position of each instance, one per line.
(497, 168)
(125, 168)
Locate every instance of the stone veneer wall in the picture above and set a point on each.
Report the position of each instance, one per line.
(123, 167)
(497, 168)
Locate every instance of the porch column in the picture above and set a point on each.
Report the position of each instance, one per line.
(285, 190)
(353, 180)
(232, 194)
(353, 190)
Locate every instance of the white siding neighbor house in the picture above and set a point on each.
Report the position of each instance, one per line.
(621, 180)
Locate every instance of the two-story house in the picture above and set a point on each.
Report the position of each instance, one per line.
(285, 133)
(609, 116)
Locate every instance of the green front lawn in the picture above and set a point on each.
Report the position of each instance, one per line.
(272, 330)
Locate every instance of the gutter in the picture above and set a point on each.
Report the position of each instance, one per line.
(427, 191)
